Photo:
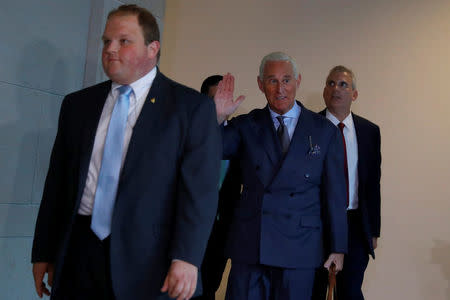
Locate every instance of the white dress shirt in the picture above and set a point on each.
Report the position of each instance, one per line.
(290, 119)
(141, 87)
(351, 144)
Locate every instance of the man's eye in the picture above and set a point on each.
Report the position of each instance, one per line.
(124, 41)
(272, 81)
(343, 84)
(106, 42)
(331, 83)
(286, 81)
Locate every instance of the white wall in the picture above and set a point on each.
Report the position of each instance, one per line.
(400, 52)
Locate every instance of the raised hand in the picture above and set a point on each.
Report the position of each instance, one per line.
(225, 105)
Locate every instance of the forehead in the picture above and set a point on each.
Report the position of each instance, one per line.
(278, 68)
(122, 24)
(340, 76)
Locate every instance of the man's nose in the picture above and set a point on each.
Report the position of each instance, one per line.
(111, 47)
(279, 87)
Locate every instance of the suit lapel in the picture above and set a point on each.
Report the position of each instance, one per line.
(148, 125)
(300, 142)
(89, 129)
(267, 135)
(360, 140)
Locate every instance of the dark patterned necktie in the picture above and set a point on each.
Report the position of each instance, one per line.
(283, 135)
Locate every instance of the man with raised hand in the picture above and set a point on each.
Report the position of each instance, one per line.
(292, 164)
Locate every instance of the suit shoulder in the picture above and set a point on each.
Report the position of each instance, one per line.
(319, 119)
(87, 93)
(185, 94)
(254, 115)
(363, 122)
(91, 89)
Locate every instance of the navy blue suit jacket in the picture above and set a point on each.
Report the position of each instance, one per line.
(278, 220)
(369, 173)
(167, 193)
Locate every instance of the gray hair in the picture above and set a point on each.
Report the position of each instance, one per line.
(342, 69)
(277, 56)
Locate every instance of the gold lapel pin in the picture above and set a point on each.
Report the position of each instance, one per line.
(153, 100)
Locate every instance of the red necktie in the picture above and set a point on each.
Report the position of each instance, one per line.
(341, 127)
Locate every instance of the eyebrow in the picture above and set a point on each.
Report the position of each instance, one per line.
(121, 36)
(273, 76)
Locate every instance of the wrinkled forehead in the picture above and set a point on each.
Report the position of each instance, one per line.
(340, 76)
(275, 68)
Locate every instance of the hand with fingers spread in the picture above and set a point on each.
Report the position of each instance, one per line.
(181, 281)
(337, 259)
(225, 105)
(39, 270)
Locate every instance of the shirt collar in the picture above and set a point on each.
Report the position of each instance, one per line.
(293, 113)
(348, 121)
(140, 86)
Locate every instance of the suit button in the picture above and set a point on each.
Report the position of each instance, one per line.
(306, 175)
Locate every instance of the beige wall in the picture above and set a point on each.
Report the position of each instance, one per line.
(400, 51)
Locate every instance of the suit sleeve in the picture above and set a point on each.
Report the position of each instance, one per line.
(231, 139)
(197, 190)
(46, 237)
(334, 194)
(375, 194)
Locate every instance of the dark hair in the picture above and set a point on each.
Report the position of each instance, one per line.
(209, 82)
(146, 20)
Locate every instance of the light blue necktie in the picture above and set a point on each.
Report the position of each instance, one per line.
(108, 179)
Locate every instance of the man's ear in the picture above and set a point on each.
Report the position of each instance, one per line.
(298, 80)
(153, 49)
(354, 95)
(260, 84)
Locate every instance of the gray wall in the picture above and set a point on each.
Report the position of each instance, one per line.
(49, 48)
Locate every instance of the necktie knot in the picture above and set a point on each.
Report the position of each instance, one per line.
(125, 90)
(280, 120)
(341, 126)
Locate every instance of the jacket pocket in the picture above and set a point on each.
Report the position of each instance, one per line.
(310, 222)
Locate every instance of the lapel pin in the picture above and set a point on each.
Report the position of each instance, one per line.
(153, 100)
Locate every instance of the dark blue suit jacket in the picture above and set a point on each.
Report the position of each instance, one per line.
(278, 220)
(167, 193)
(369, 173)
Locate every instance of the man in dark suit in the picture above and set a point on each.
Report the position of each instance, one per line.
(140, 153)
(362, 143)
(215, 259)
(292, 165)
